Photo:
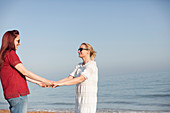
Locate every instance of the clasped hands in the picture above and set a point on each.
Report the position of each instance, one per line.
(50, 83)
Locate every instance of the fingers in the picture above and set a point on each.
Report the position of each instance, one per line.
(52, 84)
(55, 85)
(47, 86)
(43, 85)
(48, 82)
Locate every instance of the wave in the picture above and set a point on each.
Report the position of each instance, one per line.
(60, 103)
(117, 102)
(105, 110)
(3, 103)
(154, 95)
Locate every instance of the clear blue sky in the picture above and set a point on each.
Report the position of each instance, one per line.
(129, 35)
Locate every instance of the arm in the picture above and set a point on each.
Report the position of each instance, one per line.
(36, 82)
(31, 80)
(73, 81)
(65, 79)
(20, 67)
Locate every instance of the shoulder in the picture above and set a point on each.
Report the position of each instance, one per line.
(92, 63)
(12, 52)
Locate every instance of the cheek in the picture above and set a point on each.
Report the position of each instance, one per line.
(15, 43)
(80, 54)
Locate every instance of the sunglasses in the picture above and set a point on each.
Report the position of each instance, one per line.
(81, 49)
(18, 41)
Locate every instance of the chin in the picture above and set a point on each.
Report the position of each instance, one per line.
(80, 56)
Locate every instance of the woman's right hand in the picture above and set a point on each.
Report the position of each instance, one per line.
(42, 84)
(48, 83)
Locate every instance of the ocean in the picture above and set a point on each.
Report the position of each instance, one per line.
(118, 92)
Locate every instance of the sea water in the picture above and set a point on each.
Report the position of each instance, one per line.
(116, 92)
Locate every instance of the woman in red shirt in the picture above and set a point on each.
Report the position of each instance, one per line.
(13, 74)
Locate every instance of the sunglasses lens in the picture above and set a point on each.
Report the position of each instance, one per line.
(18, 41)
(80, 49)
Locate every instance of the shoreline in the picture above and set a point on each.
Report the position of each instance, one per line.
(71, 111)
(7, 111)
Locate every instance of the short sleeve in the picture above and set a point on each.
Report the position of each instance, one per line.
(74, 72)
(13, 58)
(87, 71)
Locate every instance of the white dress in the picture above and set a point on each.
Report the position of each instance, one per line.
(86, 91)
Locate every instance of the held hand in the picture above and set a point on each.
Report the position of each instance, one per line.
(43, 85)
(49, 83)
(56, 84)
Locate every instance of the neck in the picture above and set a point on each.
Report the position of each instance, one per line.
(86, 60)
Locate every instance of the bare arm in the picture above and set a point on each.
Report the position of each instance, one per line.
(31, 80)
(65, 79)
(20, 67)
(36, 82)
(73, 81)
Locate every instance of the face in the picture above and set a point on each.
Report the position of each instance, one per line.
(17, 42)
(83, 52)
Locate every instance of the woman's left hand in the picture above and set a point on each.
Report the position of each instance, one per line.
(43, 85)
(56, 84)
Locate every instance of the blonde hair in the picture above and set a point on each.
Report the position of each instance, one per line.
(92, 52)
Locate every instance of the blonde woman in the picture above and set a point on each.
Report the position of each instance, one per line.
(86, 77)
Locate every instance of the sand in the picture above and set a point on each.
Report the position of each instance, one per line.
(7, 111)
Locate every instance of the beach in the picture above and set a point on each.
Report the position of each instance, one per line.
(148, 94)
(66, 111)
(7, 111)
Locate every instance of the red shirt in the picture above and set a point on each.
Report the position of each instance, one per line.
(13, 82)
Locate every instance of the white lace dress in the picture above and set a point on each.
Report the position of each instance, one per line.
(86, 92)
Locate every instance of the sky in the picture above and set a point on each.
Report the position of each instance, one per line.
(129, 36)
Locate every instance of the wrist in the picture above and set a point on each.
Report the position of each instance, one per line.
(61, 83)
(37, 83)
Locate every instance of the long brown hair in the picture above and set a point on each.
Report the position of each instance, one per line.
(7, 44)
